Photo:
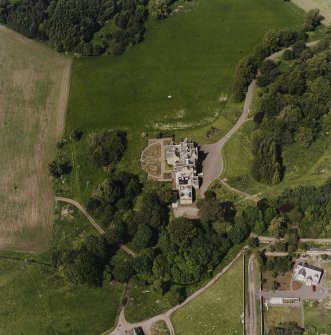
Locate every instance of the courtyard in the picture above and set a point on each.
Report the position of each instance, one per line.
(153, 160)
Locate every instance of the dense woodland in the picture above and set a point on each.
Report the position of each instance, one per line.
(273, 41)
(293, 106)
(172, 253)
(70, 25)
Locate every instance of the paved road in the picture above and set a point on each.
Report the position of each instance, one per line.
(123, 326)
(252, 297)
(304, 293)
(92, 221)
(213, 164)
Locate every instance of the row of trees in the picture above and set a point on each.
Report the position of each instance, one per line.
(306, 208)
(297, 213)
(248, 67)
(287, 328)
(70, 25)
(267, 164)
(174, 253)
(273, 41)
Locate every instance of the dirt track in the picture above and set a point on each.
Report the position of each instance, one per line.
(213, 164)
(92, 221)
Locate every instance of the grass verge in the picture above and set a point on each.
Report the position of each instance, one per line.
(219, 307)
(318, 317)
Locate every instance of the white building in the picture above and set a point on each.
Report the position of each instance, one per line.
(308, 274)
(184, 157)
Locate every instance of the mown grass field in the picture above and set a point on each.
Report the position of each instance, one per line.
(190, 56)
(36, 300)
(218, 308)
(34, 85)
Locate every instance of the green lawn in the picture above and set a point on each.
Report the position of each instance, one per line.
(219, 307)
(71, 227)
(36, 300)
(143, 303)
(303, 166)
(237, 151)
(318, 317)
(190, 56)
(84, 177)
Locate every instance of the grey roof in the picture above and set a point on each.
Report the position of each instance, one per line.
(306, 272)
(183, 157)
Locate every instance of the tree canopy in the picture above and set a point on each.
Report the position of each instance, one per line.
(70, 25)
(107, 147)
(291, 108)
